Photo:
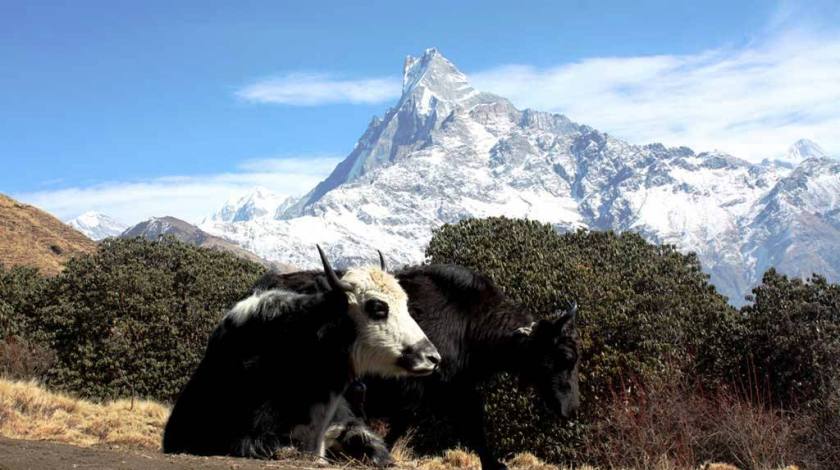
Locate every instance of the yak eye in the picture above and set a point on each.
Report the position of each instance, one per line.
(376, 309)
(568, 355)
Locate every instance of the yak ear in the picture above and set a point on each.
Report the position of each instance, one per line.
(525, 331)
(567, 319)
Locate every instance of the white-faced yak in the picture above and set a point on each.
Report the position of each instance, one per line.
(479, 333)
(277, 364)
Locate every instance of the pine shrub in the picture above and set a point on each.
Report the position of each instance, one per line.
(133, 318)
(645, 311)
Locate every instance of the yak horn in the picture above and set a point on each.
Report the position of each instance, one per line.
(382, 261)
(335, 283)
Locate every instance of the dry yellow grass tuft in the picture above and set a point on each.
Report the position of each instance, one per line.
(28, 411)
(456, 459)
(401, 451)
(718, 466)
(451, 459)
(528, 461)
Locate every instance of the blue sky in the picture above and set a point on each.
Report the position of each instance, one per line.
(143, 108)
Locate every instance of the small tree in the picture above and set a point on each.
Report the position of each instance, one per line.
(787, 343)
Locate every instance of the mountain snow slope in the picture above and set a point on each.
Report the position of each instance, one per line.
(260, 202)
(97, 226)
(446, 152)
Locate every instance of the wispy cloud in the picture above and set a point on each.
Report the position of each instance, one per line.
(752, 101)
(189, 197)
(312, 89)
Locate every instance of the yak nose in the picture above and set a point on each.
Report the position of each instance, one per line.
(430, 353)
(421, 359)
(434, 358)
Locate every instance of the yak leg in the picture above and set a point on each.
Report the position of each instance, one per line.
(467, 413)
(397, 427)
(310, 437)
(349, 436)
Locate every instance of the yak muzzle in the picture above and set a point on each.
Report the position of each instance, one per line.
(420, 359)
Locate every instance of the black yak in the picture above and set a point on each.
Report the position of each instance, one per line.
(479, 333)
(277, 364)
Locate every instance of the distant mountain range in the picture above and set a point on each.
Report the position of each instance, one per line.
(98, 226)
(157, 227)
(446, 152)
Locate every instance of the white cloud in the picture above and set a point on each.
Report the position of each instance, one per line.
(187, 197)
(312, 89)
(751, 101)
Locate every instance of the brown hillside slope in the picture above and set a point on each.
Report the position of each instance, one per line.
(31, 237)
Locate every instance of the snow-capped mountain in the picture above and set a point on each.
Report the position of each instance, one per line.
(260, 202)
(96, 225)
(447, 151)
(796, 226)
(804, 149)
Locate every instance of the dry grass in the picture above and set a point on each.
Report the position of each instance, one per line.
(691, 425)
(28, 411)
(31, 237)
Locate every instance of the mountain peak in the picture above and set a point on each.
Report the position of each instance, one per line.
(257, 203)
(97, 225)
(432, 89)
(803, 149)
(90, 217)
(434, 73)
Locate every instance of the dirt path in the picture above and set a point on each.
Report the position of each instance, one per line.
(38, 455)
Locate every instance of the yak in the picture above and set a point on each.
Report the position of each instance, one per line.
(479, 332)
(276, 366)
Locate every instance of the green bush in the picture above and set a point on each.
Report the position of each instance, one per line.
(645, 311)
(133, 318)
(23, 351)
(21, 291)
(786, 346)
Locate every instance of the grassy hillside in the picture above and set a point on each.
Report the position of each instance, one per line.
(31, 237)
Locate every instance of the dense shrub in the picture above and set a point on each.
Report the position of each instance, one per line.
(134, 317)
(21, 292)
(23, 351)
(645, 311)
(787, 341)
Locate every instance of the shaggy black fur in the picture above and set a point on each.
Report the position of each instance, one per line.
(478, 333)
(261, 375)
